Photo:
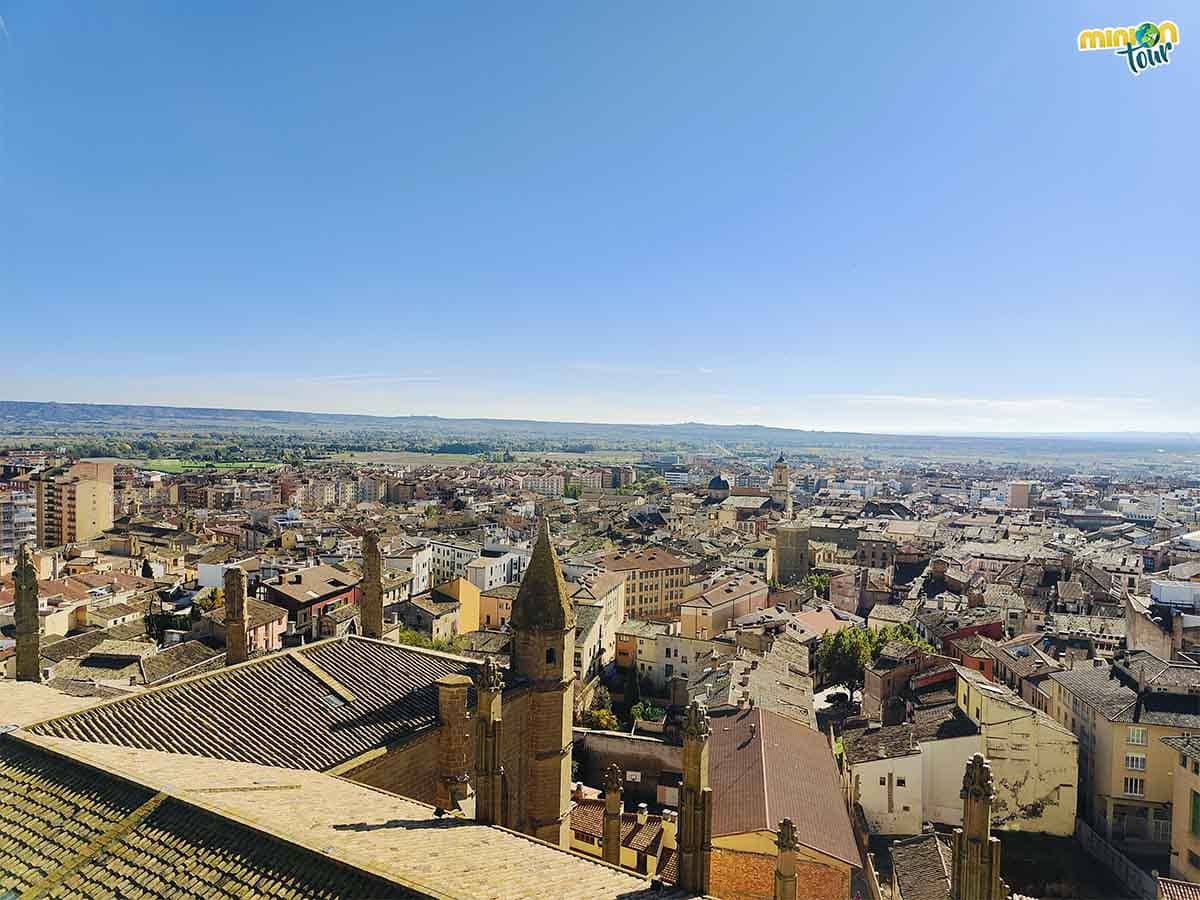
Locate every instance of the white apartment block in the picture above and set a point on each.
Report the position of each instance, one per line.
(450, 559)
(417, 560)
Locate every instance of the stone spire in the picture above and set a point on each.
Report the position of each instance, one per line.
(976, 854)
(28, 622)
(543, 650)
(236, 649)
(371, 611)
(785, 863)
(543, 602)
(613, 807)
(489, 773)
(695, 807)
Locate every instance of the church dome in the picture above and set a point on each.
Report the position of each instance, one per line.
(718, 484)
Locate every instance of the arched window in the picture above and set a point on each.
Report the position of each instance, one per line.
(550, 656)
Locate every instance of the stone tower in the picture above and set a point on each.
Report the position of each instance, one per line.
(28, 625)
(371, 612)
(976, 854)
(489, 772)
(613, 808)
(781, 485)
(785, 862)
(236, 649)
(695, 805)
(543, 648)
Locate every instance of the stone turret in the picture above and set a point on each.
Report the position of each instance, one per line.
(236, 646)
(976, 854)
(489, 773)
(695, 806)
(453, 746)
(28, 622)
(371, 611)
(543, 648)
(785, 863)
(613, 807)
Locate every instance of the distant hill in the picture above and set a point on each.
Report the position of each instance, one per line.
(19, 418)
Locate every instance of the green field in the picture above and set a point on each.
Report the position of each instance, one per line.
(409, 458)
(172, 466)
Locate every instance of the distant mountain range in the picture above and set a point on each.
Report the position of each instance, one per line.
(62, 419)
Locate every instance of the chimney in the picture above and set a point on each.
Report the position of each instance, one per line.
(453, 741)
(28, 623)
(670, 829)
(785, 862)
(235, 617)
(643, 813)
(613, 808)
(372, 586)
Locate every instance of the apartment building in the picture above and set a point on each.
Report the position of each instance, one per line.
(1121, 713)
(548, 485)
(73, 503)
(720, 600)
(450, 558)
(495, 566)
(18, 521)
(416, 560)
(655, 581)
(1185, 806)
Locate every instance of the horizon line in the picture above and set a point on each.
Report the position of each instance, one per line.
(948, 433)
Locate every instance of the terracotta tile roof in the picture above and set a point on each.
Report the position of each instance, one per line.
(922, 866)
(51, 808)
(177, 659)
(1170, 889)
(764, 767)
(258, 613)
(587, 817)
(274, 711)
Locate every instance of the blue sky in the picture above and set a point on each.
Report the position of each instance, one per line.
(900, 217)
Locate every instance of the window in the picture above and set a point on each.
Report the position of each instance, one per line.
(1137, 736)
(1135, 761)
(1193, 860)
(1195, 823)
(1195, 767)
(1134, 787)
(882, 781)
(901, 782)
(1182, 761)
(550, 655)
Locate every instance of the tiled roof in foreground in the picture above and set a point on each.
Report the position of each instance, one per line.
(81, 819)
(69, 830)
(314, 707)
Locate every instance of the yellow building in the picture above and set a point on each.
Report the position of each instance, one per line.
(654, 581)
(1035, 759)
(1185, 806)
(467, 596)
(1121, 714)
(73, 504)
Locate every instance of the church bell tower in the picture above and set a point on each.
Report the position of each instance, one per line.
(543, 648)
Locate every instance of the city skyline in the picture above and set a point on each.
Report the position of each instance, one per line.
(613, 215)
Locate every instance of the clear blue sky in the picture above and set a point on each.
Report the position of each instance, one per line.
(894, 218)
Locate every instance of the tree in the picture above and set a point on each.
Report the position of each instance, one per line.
(843, 656)
(901, 633)
(147, 569)
(603, 719)
(601, 698)
(818, 583)
(633, 692)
